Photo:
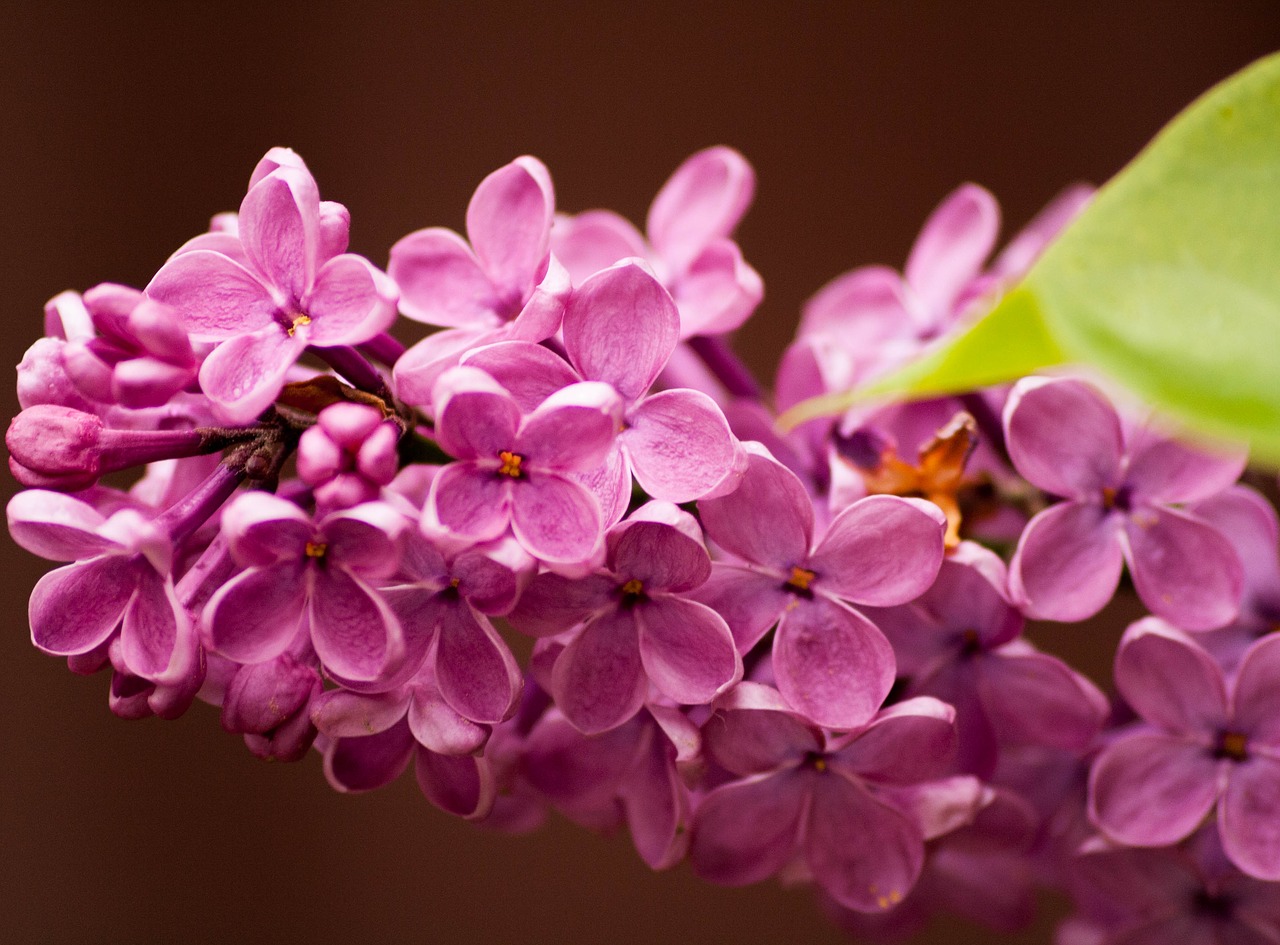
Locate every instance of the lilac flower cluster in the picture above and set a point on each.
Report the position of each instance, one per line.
(795, 655)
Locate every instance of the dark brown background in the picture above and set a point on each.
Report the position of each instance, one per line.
(124, 126)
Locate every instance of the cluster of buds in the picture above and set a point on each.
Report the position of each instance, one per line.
(790, 654)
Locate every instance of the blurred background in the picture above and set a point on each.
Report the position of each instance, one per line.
(123, 127)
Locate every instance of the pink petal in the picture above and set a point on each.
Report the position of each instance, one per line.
(621, 327)
(718, 292)
(867, 855)
(755, 740)
(57, 526)
(353, 630)
(463, 786)
(441, 281)
(658, 555)
(704, 199)
(280, 230)
(474, 503)
(767, 520)
(687, 650)
(1064, 436)
(1169, 680)
(365, 539)
(342, 714)
(438, 727)
(1165, 471)
(368, 762)
(881, 551)
(1021, 251)
(588, 242)
(1184, 569)
(416, 372)
(1034, 697)
(832, 663)
(509, 223)
(1151, 790)
(215, 297)
(475, 417)
(244, 375)
(1067, 563)
(154, 624)
(529, 372)
(746, 831)
(679, 445)
(255, 616)
(610, 484)
(262, 528)
(865, 307)
(657, 805)
(492, 578)
(749, 602)
(74, 608)
(1257, 692)
(573, 429)
(952, 246)
(908, 742)
(555, 519)
(598, 680)
(552, 604)
(476, 672)
(350, 302)
(1249, 818)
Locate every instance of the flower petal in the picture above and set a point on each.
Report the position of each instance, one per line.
(75, 608)
(476, 672)
(1035, 697)
(686, 648)
(746, 831)
(1257, 692)
(703, 199)
(749, 602)
(353, 630)
(154, 625)
(767, 520)
(555, 519)
(1068, 562)
(658, 555)
(509, 223)
(255, 616)
(1249, 818)
(441, 281)
(370, 761)
(215, 297)
(475, 417)
(881, 551)
(350, 302)
(679, 445)
(718, 292)
(1170, 680)
(951, 248)
(908, 742)
(57, 526)
(1164, 470)
(1151, 790)
(280, 229)
(244, 375)
(832, 663)
(459, 785)
(474, 503)
(1184, 569)
(587, 242)
(573, 429)
(598, 679)
(1064, 436)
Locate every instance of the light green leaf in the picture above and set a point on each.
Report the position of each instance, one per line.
(1169, 282)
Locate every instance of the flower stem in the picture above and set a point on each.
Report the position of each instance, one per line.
(355, 367)
(725, 365)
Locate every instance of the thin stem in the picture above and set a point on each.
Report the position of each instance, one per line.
(189, 513)
(384, 348)
(726, 366)
(355, 367)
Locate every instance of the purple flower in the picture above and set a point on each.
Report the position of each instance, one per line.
(832, 663)
(270, 291)
(958, 641)
(269, 703)
(348, 455)
(834, 802)
(515, 470)
(309, 577)
(1122, 493)
(504, 285)
(689, 247)
(1209, 744)
(637, 627)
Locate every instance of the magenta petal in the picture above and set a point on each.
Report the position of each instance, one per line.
(749, 602)
(74, 609)
(262, 528)
(718, 292)
(441, 282)
(746, 831)
(577, 771)
(353, 630)
(610, 484)
(350, 302)
(555, 519)
(1257, 692)
(658, 555)
(57, 526)
(459, 785)
(474, 503)
(255, 615)
(416, 372)
(1068, 562)
(588, 242)
(573, 429)
(657, 804)
(598, 679)
(881, 551)
(244, 375)
(1184, 569)
(1163, 470)
(1169, 680)
(952, 246)
(475, 417)
(1034, 697)
(437, 726)
(832, 663)
(1064, 436)
(1249, 818)
(687, 650)
(509, 223)
(552, 604)
(365, 539)
(342, 714)
(703, 200)
(754, 741)
(907, 742)
(865, 853)
(280, 229)
(679, 445)
(767, 520)
(214, 296)
(529, 372)
(368, 762)
(620, 327)
(153, 626)
(1151, 790)
(476, 672)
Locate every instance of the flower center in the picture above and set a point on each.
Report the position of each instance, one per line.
(1233, 746)
(799, 581)
(298, 321)
(1116, 498)
(510, 464)
(316, 549)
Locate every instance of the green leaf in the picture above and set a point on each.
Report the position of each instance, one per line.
(1168, 282)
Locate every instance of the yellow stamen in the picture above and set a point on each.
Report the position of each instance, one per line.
(800, 578)
(819, 764)
(1108, 497)
(633, 588)
(316, 549)
(298, 320)
(510, 464)
(454, 582)
(1233, 745)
